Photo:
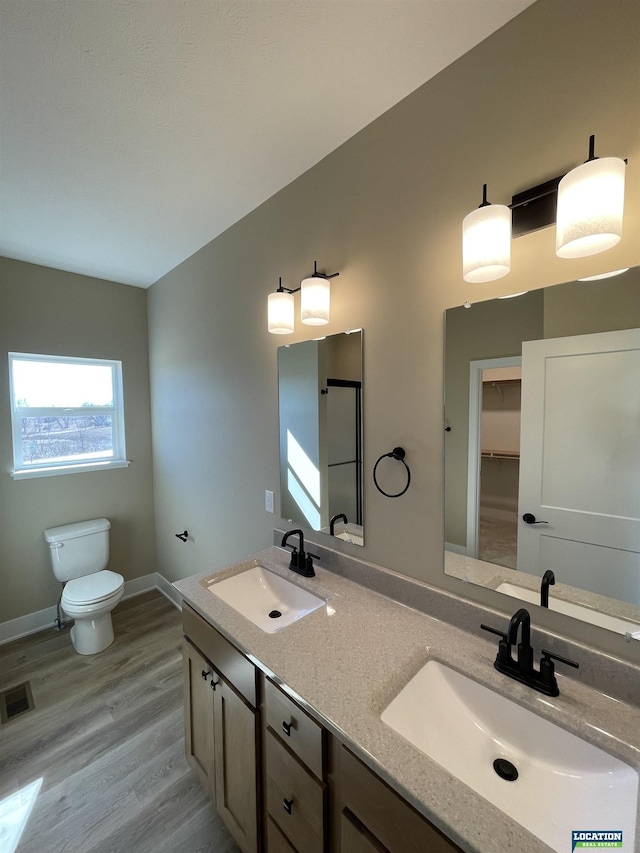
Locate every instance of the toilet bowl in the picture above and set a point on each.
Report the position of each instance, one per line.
(79, 556)
(89, 601)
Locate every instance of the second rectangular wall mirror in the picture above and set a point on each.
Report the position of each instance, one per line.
(320, 409)
(542, 448)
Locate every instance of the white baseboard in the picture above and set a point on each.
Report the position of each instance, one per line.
(169, 591)
(14, 629)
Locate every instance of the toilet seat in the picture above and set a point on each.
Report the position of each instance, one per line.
(92, 589)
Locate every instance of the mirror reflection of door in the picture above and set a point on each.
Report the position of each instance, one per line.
(499, 465)
(579, 476)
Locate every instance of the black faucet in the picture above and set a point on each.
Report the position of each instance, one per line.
(548, 579)
(525, 652)
(332, 523)
(301, 563)
(522, 669)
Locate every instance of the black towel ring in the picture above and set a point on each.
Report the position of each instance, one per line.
(399, 454)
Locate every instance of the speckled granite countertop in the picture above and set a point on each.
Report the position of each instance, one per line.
(346, 661)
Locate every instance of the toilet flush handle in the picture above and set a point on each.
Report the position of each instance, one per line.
(56, 545)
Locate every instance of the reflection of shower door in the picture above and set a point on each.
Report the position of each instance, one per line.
(344, 444)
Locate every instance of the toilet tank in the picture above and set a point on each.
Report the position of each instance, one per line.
(79, 549)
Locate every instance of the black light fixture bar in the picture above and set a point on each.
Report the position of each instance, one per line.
(281, 289)
(534, 208)
(316, 274)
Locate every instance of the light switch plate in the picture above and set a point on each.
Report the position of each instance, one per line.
(268, 501)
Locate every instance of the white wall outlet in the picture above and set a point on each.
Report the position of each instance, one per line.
(268, 501)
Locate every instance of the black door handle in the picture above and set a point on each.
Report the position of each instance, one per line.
(529, 518)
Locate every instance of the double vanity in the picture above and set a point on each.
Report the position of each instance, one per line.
(322, 715)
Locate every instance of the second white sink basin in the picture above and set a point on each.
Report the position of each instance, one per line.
(266, 599)
(563, 783)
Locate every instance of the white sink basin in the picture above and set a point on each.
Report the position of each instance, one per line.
(259, 595)
(563, 783)
(612, 623)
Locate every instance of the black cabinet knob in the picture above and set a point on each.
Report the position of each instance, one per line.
(287, 805)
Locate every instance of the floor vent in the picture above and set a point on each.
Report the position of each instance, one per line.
(15, 701)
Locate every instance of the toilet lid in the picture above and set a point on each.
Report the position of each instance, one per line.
(91, 589)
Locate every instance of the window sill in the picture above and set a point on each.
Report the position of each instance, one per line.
(31, 473)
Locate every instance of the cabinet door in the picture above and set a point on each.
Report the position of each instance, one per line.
(198, 715)
(388, 819)
(235, 766)
(354, 838)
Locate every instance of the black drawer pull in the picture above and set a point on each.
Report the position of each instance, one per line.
(287, 805)
(286, 728)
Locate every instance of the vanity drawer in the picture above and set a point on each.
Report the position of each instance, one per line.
(231, 663)
(295, 799)
(276, 841)
(392, 822)
(295, 727)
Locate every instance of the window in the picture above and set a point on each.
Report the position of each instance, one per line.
(67, 414)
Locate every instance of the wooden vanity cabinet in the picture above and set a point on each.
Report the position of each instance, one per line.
(305, 791)
(221, 726)
(295, 786)
(198, 714)
(375, 819)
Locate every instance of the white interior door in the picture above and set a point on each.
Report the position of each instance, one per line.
(580, 461)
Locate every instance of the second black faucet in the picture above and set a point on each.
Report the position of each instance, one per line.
(522, 669)
(301, 562)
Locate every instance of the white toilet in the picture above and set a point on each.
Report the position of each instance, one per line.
(79, 556)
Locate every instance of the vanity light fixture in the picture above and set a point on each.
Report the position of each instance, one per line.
(586, 204)
(280, 311)
(486, 242)
(315, 303)
(590, 206)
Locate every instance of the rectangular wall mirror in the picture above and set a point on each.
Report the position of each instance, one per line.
(320, 409)
(542, 447)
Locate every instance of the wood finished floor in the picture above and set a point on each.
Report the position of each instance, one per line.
(107, 737)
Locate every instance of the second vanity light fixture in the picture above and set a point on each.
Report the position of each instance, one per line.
(315, 303)
(588, 217)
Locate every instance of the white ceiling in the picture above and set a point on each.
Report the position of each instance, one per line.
(135, 131)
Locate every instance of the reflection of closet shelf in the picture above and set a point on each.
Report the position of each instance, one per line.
(500, 454)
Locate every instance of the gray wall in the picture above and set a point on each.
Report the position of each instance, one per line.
(58, 313)
(385, 209)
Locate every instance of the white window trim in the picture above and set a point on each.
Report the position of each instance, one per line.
(24, 471)
(69, 469)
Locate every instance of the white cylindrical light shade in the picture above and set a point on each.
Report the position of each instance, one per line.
(486, 243)
(590, 206)
(280, 313)
(315, 301)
